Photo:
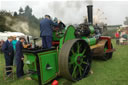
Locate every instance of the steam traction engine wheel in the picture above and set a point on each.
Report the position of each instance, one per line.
(75, 59)
(107, 55)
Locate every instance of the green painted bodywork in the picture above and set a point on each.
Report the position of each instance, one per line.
(54, 37)
(31, 62)
(48, 65)
(90, 41)
(61, 43)
(91, 29)
(49, 59)
(58, 35)
(69, 34)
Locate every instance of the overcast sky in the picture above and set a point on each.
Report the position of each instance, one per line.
(72, 11)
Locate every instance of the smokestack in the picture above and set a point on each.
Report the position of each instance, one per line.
(90, 14)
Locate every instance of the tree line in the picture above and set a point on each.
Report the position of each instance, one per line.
(23, 14)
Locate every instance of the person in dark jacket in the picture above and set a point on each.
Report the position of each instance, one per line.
(7, 48)
(19, 57)
(46, 26)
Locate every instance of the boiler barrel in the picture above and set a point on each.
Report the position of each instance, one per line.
(90, 41)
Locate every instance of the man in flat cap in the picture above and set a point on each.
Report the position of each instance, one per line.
(7, 48)
(46, 28)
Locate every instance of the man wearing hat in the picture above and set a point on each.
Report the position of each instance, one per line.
(46, 26)
(19, 57)
(7, 48)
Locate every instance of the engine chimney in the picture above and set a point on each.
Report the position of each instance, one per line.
(90, 14)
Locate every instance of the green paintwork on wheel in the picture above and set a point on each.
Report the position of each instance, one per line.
(105, 49)
(77, 59)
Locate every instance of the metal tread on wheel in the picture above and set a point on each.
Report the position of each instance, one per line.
(75, 59)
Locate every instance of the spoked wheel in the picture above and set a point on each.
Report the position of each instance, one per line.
(107, 56)
(75, 59)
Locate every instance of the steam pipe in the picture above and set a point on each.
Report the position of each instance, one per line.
(90, 14)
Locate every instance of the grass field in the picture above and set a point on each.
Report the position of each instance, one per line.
(111, 72)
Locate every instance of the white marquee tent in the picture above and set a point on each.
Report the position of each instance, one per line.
(4, 35)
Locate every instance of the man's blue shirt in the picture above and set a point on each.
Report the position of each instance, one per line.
(46, 27)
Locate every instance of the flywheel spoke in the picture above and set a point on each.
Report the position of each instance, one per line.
(74, 71)
(80, 70)
(84, 56)
(84, 62)
(78, 47)
(72, 60)
(72, 50)
(83, 51)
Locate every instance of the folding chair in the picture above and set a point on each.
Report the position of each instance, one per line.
(10, 76)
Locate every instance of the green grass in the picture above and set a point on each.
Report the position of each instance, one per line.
(111, 72)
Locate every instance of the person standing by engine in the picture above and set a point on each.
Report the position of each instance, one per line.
(46, 26)
(117, 36)
(7, 48)
(19, 57)
(14, 41)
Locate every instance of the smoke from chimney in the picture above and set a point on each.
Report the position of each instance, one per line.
(70, 12)
(89, 2)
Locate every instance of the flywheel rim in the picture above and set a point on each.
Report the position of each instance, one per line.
(64, 60)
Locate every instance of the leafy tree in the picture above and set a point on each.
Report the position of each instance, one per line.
(5, 13)
(21, 10)
(15, 14)
(28, 11)
(126, 21)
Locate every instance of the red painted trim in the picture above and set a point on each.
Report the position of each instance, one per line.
(110, 50)
(55, 43)
(108, 39)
